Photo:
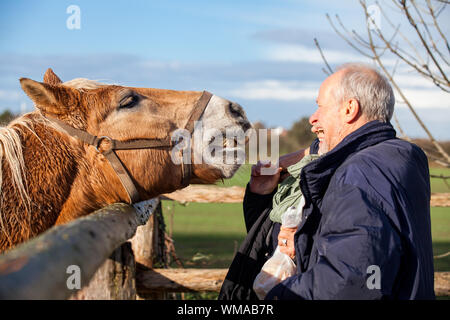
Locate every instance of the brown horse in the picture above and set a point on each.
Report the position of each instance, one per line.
(48, 177)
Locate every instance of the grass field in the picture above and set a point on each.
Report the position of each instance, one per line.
(438, 185)
(206, 235)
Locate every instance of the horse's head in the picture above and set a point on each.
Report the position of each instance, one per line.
(128, 114)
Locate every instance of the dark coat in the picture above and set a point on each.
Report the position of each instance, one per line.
(367, 204)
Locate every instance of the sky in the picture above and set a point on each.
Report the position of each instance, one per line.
(258, 53)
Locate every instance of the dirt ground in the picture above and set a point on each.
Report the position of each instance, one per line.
(440, 200)
(206, 193)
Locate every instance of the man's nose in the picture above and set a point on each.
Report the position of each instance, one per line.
(314, 118)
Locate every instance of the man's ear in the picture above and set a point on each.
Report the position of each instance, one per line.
(51, 78)
(351, 110)
(49, 98)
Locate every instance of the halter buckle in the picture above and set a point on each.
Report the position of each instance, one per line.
(100, 140)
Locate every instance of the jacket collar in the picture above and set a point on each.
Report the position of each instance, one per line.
(316, 175)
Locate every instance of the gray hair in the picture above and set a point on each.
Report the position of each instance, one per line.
(367, 85)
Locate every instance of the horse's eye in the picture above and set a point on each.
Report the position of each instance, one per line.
(129, 102)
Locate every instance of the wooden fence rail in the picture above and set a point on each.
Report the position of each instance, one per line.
(235, 194)
(192, 280)
(180, 280)
(97, 244)
(38, 269)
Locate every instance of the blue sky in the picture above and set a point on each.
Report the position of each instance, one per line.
(260, 54)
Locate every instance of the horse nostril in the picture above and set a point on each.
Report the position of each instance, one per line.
(235, 110)
(245, 125)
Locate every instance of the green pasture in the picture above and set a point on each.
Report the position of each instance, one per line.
(439, 185)
(206, 235)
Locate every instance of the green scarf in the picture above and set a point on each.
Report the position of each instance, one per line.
(289, 191)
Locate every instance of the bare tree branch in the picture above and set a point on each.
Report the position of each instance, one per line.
(412, 58)
(421, 69)
(444, 1)
(436, 25)
(424, 70)
(345, 38)
(430, 36)
(400, 92)
(424, 43)
(386, 17)
(323, 57)
(402, 133)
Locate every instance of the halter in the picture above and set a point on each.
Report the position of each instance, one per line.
(114, 160)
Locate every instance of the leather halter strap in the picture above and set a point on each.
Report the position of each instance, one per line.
(113, 159)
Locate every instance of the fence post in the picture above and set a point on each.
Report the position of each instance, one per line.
(149, 248)
(114, 280)
(142, 242)
(42, 267)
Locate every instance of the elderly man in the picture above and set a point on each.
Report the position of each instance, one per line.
(365, 231)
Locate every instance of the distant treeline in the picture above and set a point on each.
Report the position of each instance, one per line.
(6, 117)
(297, 137)
(300, 136)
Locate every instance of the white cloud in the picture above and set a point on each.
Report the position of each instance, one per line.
(418, 92)
(277, 90)
(425, 99)
(408, 80)
(301, 53)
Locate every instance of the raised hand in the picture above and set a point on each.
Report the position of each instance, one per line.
(264, 178)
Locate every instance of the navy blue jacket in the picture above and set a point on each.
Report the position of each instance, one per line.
(367, 207)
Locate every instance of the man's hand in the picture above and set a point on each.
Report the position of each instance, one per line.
(264, 183)
(290, 159)
(286, 241)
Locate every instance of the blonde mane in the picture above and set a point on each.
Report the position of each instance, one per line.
(12, 152)
(84, 84)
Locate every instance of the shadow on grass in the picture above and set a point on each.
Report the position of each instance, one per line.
(440, 248)
(206, 251)
(217, 251)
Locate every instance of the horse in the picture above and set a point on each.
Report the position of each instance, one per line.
(50, 176)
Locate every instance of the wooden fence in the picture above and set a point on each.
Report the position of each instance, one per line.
(110, 267)
(95, 246)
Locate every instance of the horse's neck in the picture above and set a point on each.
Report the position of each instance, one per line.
(54, 164)
(50, 167)
(96, 185)
(90, 191)
(61, 183)
(78, 186)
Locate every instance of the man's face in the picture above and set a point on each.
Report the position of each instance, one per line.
(326, 121)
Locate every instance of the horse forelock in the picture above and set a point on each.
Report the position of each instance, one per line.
(84, 84)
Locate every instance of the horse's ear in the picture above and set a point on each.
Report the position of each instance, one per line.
(51, 78)
(48, 98)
